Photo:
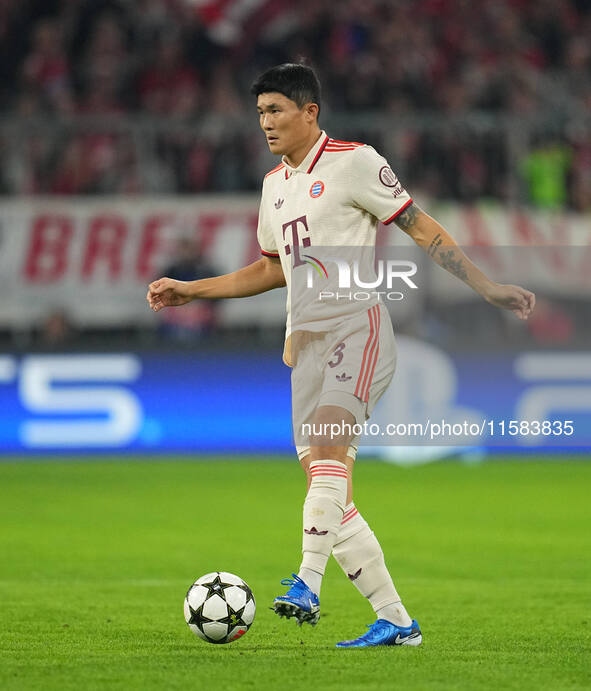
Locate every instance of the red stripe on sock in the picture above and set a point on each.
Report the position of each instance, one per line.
(328, 467)
(350, 517)
(338, 466)
(330, 472)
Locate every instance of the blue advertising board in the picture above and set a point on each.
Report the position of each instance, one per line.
(240, 402)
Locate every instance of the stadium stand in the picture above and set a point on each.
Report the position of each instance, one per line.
(152, 96)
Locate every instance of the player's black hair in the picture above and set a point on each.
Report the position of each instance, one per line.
(298, 82)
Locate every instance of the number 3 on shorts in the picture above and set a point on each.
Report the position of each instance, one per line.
(338, 352)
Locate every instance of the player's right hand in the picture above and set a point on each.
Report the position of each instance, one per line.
(166, 292)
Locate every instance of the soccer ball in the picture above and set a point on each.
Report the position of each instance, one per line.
(219, 607)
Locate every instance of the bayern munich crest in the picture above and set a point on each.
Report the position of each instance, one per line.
(387, 177)
(317, 189)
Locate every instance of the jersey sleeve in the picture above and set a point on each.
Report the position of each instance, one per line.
(375, 186)
(264, 231)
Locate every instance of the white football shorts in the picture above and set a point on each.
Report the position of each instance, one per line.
(349, 367)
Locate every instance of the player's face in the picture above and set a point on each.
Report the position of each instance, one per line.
(285, 125)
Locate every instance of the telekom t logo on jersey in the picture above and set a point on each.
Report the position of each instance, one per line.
(295, 239)
(348, 272)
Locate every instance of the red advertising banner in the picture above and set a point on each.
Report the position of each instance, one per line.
(94, 258)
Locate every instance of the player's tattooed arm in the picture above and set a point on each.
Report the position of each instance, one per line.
(435, 240)
(443, 249)
(408, 221)
(450, 262)
(434, 245)
(408, 218)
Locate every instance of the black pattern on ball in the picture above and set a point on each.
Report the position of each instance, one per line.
(219, 607)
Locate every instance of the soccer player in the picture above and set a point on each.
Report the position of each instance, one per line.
(330, 193)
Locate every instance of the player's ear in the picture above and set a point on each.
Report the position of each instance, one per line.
(311, 110)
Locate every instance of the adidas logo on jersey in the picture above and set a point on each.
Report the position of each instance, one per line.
(342, 377)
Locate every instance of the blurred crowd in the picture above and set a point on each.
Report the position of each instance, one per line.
(141, 96)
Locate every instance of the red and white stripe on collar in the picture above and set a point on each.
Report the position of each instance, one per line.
(336, 145)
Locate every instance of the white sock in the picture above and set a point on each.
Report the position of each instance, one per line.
(396, 613)
(323, 512)
(359, 554)
(312, 579)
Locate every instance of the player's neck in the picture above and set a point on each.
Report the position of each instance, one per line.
(294, 158)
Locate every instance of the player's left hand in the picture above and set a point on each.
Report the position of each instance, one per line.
(514, 298)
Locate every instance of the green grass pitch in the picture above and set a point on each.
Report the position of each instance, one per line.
(96, 557)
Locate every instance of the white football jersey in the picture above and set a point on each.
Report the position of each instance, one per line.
(334, 198)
